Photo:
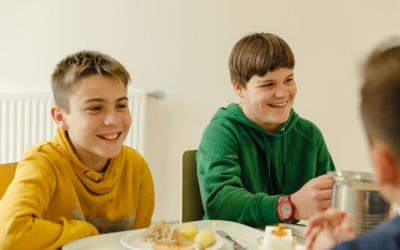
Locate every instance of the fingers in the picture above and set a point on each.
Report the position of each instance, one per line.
(324, 205)
(322, 177)
(347, 228)
(332, 216)
(348, 221)
(325, 239)
(324, 184)
(312, 235)
(321, 237)
(325, 194)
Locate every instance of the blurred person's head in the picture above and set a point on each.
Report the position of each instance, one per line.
(380, 106)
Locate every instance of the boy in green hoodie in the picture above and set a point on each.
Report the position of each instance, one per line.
(258, 162)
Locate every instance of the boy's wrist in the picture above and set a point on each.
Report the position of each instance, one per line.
(277, 203)
(286, 209)
(293, 199)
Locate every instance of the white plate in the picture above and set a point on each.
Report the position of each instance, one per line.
(134, 240)
(244, 235)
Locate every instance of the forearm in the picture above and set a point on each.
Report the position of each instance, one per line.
(23, 225)
(237, 204)
(29, 232)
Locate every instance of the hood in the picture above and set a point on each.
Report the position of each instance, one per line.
(234, 112)
(98, 183)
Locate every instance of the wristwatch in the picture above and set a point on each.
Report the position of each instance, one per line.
(285, 209)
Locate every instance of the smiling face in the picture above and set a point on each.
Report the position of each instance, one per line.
(267, 100)
(98, 121)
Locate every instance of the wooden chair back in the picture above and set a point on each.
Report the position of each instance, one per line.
(191, 205)
(7, 172)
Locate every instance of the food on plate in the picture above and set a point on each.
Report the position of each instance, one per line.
(205, 238)
(278, 237)
(166, 246)
(188, 231)
(167, 238)
(162, 232)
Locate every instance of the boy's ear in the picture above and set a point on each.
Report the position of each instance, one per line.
(238, 88)
(59, 118)
(385, 165)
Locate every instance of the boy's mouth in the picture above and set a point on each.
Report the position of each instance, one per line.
(279, 104)
(110, 136)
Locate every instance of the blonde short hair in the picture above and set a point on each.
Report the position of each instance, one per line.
(79, 65)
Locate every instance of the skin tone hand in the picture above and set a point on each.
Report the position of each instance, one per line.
(313, 197)
(329, 228)
(324, 238)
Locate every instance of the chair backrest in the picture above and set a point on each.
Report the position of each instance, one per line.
(7, 172)
(191, 205)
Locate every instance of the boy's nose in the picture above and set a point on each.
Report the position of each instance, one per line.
(281, 92)
(111, 119)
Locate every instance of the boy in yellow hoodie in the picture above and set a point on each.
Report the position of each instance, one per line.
(83, 181)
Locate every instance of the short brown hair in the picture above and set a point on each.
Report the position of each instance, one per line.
(380, 95)
(257, 54)
(79, 65)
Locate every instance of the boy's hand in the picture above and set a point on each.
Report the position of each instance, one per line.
(313, 197)
(328, 228)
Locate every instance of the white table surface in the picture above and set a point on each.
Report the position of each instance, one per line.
(244, 235)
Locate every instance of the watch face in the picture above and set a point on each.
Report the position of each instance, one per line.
(285, 209)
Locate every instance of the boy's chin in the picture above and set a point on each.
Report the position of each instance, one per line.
(281, 120)
(110, 154)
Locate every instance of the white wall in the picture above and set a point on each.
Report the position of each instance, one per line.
(182, 47)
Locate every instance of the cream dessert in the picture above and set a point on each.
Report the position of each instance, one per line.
(278, 238)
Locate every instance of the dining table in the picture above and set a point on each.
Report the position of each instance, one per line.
(246, 236)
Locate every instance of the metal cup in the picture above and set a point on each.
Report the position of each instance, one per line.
(357, 194)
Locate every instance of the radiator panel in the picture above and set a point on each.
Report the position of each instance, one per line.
(25, 120)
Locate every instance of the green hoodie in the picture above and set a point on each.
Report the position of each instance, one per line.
(243, 169)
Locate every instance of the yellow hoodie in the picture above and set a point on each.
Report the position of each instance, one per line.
(55, 199)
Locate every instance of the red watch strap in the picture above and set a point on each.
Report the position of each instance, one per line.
(286, 199)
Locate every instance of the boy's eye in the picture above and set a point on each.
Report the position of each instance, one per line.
(268, 85)
(289, 80)
(95, 108)
(122, 106)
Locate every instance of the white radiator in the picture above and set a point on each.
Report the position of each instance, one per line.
(25, 120)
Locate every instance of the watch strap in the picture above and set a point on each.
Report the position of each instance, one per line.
(290, 219)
